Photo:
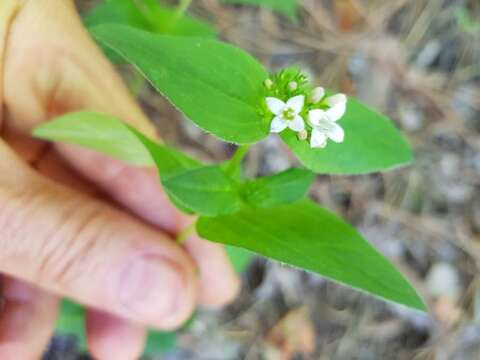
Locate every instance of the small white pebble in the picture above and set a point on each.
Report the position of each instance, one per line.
(443, 281)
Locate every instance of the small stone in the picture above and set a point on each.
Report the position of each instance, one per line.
(447, 311)
(450, 165)
(411, 117)
(443, 281)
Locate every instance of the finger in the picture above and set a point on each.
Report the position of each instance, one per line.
(82, 78)
(75, 246)
(139, 190)
(54, 166)
(215, 268)
(66, 72)
(110, 337)
(27, 320)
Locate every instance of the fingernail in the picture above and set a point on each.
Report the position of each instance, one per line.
(152, 288)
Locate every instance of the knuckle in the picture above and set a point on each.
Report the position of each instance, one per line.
(16, 207)
(55, 233)
(78, 234)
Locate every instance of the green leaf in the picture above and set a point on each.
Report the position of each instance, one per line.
(217, 86)
(149, 16)
(99, 132)
(240, 258)
(166, 21)
(285, 187)
(205, 190)
(190, 185)
(159, 342)
(288, 8)
(372, 143)
(71, 321)
(311, 238)
(117, 12)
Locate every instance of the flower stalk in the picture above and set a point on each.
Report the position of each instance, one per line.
(237, 159)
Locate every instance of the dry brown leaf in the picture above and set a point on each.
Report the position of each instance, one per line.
(293, 334)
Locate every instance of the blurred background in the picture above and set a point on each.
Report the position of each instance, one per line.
(418, 61)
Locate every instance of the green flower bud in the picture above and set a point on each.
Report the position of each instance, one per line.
(302, 135)
(268, 83)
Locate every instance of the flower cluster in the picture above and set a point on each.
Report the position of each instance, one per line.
(311, 114)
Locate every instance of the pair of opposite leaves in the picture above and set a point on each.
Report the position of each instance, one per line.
(219, 87)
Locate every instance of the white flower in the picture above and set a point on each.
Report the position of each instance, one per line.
(286, 114)
(324, 122)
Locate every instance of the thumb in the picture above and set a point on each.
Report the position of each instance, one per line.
(77, 247)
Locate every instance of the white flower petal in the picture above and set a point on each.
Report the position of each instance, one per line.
(296, 103)
(278, 124)
(337, 99)
(297, 124)
(318, 139)
(336, 112)
(336, 133)
(275, 105)
(314, 116)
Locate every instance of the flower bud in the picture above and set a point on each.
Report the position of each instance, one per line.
(268, 83)
(317, 94)
(292, 86)
(302, 135)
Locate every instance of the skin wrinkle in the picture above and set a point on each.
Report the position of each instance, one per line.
(14, 206)
(58, 261)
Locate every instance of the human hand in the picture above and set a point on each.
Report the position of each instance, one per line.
(74, 223)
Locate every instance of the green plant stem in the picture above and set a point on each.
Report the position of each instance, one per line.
(237, 158)
(178, 14)
(185, 233)
(181, 8)
(136, 83)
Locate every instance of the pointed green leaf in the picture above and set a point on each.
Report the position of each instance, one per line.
(205, 190)
(71, 321)
(99, 132)
(146, 15)
(159, 342)
(287, 8)
(191, 186)
(149, 16)
(311, 238)
(282, 188)
(372, 143)
(165, 20)
(217, 86)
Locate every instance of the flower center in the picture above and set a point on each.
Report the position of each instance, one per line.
(288, 113)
